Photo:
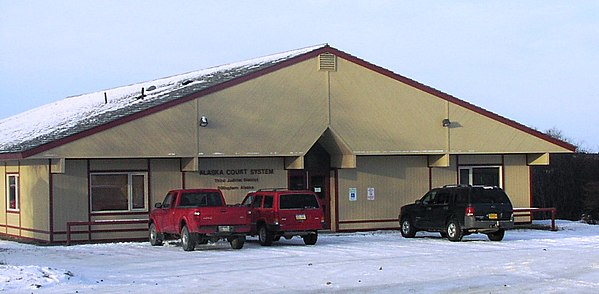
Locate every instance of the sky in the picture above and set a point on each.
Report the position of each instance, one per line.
(535, 62)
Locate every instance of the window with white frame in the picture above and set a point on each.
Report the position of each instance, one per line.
(118, 192)
(12, 192)
(481, 175)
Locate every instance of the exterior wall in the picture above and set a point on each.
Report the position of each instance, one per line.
(34, 196)
(472, 132)
(281, 113)
(238, 176)
(31, 222)
(70, 198)
(397, 180)
(128, 231)
(400, 180)
(167, 133)
(441, 176)
(517, 182)
(376, 114)
(3, 212)
(165, 175)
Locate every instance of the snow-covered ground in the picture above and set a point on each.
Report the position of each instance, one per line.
(529, 261)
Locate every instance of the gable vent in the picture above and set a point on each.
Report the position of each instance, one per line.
(327, 62)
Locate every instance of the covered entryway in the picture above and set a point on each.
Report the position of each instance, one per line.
(315, 177)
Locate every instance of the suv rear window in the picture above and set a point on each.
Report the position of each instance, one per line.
(482, 195)
(298, 201)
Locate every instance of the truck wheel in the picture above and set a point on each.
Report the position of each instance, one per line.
(407, 228)
(496, 236)
(237, 242)
(310, 239)
(454, 231)
(155, 237)
(264, 236)
(188, 241)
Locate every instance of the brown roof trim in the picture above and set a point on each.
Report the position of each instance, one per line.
(11, 156)
(276, 67)
(451, 99)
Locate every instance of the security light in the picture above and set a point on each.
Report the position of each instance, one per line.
(203, 121)
(446, 122)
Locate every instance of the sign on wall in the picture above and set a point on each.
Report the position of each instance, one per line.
(237, 178)
(370, 193)
(353, 194)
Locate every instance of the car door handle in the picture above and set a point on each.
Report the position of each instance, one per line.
(429, 208)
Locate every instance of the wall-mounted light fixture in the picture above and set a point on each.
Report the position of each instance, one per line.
(203, 121)
(446, 123)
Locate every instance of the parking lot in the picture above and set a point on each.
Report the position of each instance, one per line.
(375, 262)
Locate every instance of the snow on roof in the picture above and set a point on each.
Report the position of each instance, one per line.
(75, 114)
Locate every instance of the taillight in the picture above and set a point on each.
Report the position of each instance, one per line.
(469, 211)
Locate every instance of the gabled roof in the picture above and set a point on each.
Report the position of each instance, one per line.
(58, 123)
(21, 134)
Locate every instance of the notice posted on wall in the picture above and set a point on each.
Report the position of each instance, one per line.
(370, 193)
(353, 194)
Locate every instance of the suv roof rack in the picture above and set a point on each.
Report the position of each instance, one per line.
(271, 189)
(456, 185)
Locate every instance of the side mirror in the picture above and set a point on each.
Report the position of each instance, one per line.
(158, 205)
(418, 202)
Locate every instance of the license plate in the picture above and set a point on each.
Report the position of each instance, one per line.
(224, 228)
(300, 216)
(492, 215)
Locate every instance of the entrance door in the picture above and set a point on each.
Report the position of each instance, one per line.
(320, 185)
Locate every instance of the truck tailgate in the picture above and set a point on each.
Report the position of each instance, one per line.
(225, 215)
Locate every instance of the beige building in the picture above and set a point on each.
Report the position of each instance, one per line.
(366, 139)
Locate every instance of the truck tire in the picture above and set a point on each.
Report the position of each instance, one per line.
(188, 241)
(155, 237)
(310, 239)
(237, 242)
(496, 236)
(454, 230)
(264, 236)
(407, 228)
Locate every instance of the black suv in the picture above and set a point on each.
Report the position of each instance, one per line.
(459, 210)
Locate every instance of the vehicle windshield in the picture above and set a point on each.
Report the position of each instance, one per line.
(482, 195)
(298, 201)
(200, 199)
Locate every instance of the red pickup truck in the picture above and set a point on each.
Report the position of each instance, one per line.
(198, 216)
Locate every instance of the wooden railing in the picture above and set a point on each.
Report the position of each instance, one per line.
(98, 223)
(529, 211)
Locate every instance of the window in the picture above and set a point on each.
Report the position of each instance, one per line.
(268, 201)
(166, 203)
(248, 200)
(118, 192)
(442, 198)
(200, 199)
(257, 202)
(12, 192)
(485, 175)
(298, 201)
(429, 197)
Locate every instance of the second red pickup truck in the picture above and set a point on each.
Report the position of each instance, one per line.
(197, 216)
